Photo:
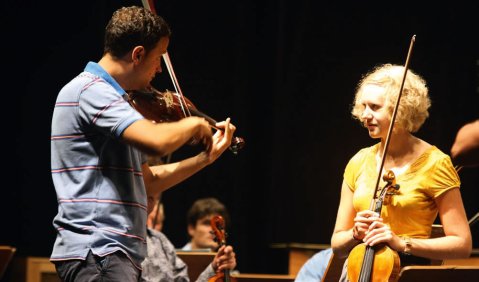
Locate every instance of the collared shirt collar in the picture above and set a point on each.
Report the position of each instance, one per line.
(97, 70)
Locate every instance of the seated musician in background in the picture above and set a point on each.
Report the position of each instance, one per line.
(465, 150)
(315, 267)
(429, 184)
(199, 223)
(163, 264)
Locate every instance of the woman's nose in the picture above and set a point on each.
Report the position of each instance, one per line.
(366, 114)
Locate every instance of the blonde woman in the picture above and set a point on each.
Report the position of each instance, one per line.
(429, 184)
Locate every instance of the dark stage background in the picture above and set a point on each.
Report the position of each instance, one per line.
(284, 71)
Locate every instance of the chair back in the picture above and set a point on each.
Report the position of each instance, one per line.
(334, 269)
(6, 254)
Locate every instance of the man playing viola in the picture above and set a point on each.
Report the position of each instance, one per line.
(98, 153)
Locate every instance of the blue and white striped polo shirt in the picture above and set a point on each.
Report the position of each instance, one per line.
(97, 177)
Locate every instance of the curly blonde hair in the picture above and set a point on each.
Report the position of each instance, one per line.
(414, 104)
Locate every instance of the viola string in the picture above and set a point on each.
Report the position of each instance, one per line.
(176, 85)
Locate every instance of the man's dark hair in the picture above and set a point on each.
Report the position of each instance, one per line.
(205, 207)
(133, 26)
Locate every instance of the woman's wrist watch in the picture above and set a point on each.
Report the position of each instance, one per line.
(407, 246)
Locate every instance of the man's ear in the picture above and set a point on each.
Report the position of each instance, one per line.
(191, 230)
(137, 54)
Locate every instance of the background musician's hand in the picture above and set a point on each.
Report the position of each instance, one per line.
(224, 259)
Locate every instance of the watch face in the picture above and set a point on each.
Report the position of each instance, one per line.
(407, 248)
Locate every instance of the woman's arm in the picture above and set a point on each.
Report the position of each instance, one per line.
(457, 242)
(342, 240)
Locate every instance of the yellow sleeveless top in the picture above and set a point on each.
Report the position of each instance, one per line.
(412, 211)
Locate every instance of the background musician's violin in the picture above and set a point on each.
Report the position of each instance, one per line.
(218, 225)
(169, 106)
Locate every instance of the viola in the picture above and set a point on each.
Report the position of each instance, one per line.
(218, 226)
(170, 106)
(379, 262)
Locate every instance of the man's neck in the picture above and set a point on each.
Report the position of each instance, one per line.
(119, 68)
